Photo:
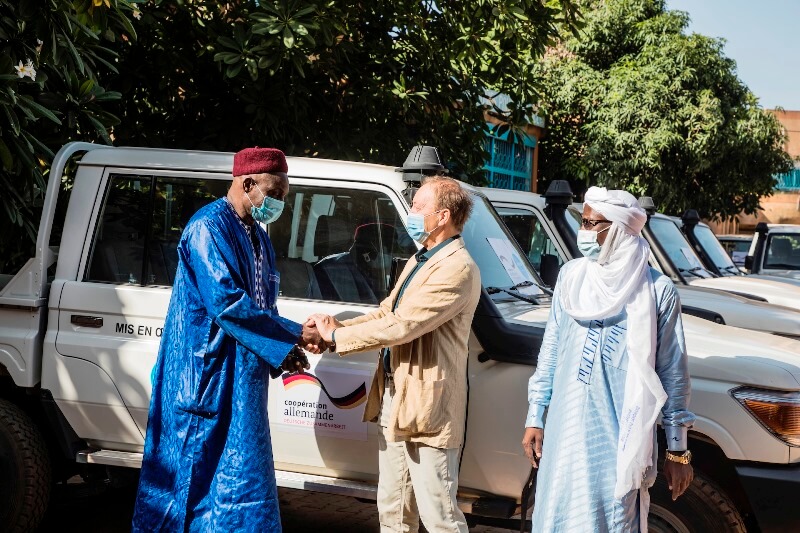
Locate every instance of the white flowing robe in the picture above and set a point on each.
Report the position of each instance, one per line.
(580, 378)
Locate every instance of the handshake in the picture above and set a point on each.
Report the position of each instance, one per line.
(317, 337)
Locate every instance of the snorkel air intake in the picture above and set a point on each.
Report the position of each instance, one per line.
(421, 161)
(558, 197)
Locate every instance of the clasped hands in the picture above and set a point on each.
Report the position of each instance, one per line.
(317, 336)
(319, 328)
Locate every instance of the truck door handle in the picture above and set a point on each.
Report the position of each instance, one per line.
(87, 321)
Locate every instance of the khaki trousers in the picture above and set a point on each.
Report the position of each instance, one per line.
(417, 481)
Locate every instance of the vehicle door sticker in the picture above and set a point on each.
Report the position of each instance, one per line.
(325, 400)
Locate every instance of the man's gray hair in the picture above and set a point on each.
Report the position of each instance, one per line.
(451, 195)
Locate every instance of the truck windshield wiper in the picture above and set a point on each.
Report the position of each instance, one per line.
(692, 271)
(512, 291)
(528, 283)
(730, 268)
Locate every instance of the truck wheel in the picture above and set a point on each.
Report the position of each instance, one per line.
(703, 507)
(25, 475)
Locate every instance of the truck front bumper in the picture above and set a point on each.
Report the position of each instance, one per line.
(773, 493)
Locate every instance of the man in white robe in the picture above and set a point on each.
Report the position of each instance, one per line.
(613, 357)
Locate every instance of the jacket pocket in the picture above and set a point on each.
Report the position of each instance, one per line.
(420, 406)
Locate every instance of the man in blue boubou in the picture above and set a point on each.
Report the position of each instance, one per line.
(208, 457)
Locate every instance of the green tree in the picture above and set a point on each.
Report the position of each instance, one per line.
(54, 55)
(637, 103)
(362, 80)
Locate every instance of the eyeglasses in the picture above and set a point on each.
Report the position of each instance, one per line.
(590, 223)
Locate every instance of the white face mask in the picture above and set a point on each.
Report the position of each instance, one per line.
(587, 242)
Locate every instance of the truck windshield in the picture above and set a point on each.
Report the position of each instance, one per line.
(677, 247)
(574, 218)
(499, 258)
(783, 251)
(715, 251)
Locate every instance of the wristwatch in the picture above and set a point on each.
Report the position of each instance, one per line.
(683, 458)
(332, 345)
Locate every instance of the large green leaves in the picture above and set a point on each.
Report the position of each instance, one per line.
(70, 46)
(350, 80)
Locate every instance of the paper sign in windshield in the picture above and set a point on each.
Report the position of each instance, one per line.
(510, 259)
(690, 256)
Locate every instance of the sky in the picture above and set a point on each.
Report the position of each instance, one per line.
(763, 37)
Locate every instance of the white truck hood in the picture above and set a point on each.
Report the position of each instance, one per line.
(774, 292)
(725, 353)
(789, 274)
(743, 312)
(785, 277)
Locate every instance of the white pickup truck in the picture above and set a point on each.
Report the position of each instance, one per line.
(775, 251)
(713, 254)
(674, 248)
(524, 214)
(80, 326)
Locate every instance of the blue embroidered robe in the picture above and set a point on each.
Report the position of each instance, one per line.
(208, 457)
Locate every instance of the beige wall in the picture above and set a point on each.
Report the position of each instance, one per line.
(791, 122)
(781, 207)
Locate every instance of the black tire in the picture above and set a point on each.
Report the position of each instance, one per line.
(703, 507)
(25, 475)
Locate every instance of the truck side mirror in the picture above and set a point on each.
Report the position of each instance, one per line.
(748, 262)
(549, 269)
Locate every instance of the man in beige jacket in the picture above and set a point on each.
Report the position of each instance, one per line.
(419, 392)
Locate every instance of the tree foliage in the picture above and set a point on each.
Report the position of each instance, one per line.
(637, 103)
(54, 57)
(362, 80)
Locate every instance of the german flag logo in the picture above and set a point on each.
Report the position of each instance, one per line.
(348, 401)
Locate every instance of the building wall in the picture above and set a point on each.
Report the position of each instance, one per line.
(790, 121)
(783, 207)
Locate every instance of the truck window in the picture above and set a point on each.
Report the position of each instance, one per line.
(676, 246)
(783, 251)
(118, 247)
(337, 244)
(530, 234)
(714, 249)
(494, 250)
(175, 201)
(141, 221)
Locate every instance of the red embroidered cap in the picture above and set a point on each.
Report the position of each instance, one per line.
(259, 161)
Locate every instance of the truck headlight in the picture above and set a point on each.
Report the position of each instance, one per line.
(777, 411)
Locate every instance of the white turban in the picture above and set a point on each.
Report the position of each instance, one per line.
(618, 206)
(596, 290)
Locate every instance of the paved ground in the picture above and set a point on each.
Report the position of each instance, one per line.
(76, 509)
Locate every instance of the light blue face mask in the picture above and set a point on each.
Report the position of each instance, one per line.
(269, 210)
(587, 243)
(416, 226)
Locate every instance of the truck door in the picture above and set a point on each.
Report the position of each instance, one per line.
(110, 319)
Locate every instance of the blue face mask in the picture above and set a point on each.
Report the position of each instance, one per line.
(416, 227)
(588, 245)
(269, 210)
